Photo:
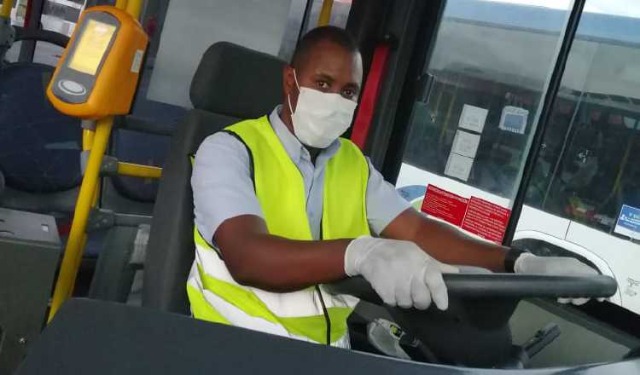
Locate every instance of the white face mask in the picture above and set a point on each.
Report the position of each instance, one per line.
(320, 118)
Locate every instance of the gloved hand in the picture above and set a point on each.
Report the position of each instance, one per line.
(554, 266)
(399, 271)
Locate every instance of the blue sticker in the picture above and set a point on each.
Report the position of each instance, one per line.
(629, 222)
(412, 192)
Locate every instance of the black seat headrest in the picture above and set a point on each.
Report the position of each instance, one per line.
(236, 81)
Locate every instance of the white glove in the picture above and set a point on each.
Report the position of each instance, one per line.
(399, 271)
(554, 266)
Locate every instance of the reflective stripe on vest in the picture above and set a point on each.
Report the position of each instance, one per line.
(214, 294)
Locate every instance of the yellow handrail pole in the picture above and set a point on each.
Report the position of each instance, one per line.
(134, 7)
(138, 170)
(88, 135)
(88, 132)
(122, 4)
(5, 11)
(325, 13)
(87, 139)
(86, 198)
(85, 237)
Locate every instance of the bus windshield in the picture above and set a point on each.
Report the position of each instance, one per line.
(472, 134)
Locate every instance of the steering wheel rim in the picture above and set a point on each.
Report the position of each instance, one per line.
(501, 285)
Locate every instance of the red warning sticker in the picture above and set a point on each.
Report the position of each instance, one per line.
(444, 205)
(485, 219)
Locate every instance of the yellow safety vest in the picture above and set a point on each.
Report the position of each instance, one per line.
(214, 294)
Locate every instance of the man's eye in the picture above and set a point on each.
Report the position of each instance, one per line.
(323, 85)
(348, 93)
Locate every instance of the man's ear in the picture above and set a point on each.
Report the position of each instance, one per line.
(288, 81)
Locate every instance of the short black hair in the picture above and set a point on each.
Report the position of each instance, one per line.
(324, 33)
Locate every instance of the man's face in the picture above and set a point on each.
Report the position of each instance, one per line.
(328, 68)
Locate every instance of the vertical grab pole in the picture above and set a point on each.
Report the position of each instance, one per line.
(5, 11)
(122, 4)
(134, 8)
(86, 199)
(325, 13)
(96, 137)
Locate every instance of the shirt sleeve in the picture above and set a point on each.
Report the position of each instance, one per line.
(221, 183)
(384, 203)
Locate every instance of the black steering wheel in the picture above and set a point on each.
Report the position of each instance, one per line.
(500, 285)
(487, 301)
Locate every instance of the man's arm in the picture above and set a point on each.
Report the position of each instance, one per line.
(399, 271)
(256, 258)
(391, 216)
(228, 213)
(444, 243)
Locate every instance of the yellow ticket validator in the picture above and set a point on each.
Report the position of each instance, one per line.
(97, 76)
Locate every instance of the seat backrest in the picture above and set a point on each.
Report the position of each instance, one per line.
(231, 83)
(40, 146)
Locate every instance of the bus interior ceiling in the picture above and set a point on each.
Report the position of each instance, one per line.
(459, 102)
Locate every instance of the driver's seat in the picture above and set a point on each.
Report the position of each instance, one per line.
(230, 84)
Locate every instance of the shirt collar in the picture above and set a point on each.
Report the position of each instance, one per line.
(292, 145)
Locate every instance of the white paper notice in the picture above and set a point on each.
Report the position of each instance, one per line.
(473, 118)
(458, 166)
(466, 144)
